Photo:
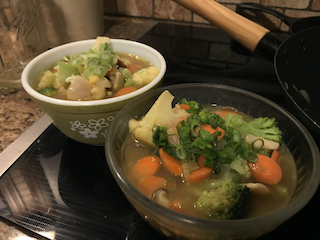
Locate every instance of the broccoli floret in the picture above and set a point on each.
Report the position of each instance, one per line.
(229, 200)
(48, 91)
(260, 127)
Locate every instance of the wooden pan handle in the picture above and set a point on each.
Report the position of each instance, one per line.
(243, 30)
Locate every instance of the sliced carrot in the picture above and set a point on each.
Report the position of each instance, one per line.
(172, 164)
(275, 155)
(133, 68)
(176, 205)
(223, 113)
(149, 184)
(266, 170)
(185, 106)
(200, 174)
(110, 71)
(207, 127)
(146, 166)
(125, 90)
(201, 160)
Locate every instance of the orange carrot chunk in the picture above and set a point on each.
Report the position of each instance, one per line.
(266, 170)
(207, 127)
(149, 184)
(133, 68)
(185, 106)
(125, 90)
(275, 155)
(172, 164)
(201, 160)
(200, 174)
(146, 166)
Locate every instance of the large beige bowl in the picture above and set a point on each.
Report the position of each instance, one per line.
(87, 121)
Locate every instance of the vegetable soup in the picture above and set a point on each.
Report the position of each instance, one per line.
(209, 162)
(99, 73)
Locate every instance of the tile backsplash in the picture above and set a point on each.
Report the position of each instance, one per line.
(169, 10)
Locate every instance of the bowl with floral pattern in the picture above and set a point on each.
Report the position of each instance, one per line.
(87, 121)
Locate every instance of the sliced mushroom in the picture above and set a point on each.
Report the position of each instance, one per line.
(173, 137)
(117, 81)
(189, 167)
(161, 196)
(231, 109)
(258, 188)
(104, 82)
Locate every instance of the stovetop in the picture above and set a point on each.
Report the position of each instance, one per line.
(62, 189)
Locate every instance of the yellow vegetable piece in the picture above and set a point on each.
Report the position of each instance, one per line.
(94, 79)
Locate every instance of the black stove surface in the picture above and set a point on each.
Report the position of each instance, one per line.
(62, 189)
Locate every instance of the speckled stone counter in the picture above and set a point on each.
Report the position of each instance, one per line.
(18, 112)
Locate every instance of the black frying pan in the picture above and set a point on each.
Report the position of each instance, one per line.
(296, 60)
(295, 24)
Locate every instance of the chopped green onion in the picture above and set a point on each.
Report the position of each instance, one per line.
(236, 121)
(200, 143)
(77, 61)
(105, 47)
(181, 153)
(126, 73)
(249, 155)
(92, 62)
(74, 56)
(129, 82)
(114, 60)
(92, 55)
(99, 71)
(205, 135)
(168, 186)
(65, 58)
(253, 143)
(105, 58)
(87, 73)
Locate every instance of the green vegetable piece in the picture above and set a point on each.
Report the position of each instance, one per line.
(105, 47)
(229, 200)
(195, 107)
(105, 58)
(65, 70)
(260, 127)
(48, 91)
(126, 73)
(159, 138)
(77, 61)
(99, 71)
(129, 82)
(92, 62)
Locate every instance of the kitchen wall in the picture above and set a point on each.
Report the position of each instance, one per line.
(169, 10)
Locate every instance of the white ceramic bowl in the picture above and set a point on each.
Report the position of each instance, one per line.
(87, 121)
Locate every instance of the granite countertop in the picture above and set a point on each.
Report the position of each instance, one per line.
(18, 112)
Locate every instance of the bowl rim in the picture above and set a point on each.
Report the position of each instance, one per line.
(282, 214)
(32, 92)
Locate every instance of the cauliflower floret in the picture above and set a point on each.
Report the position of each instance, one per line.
(240, 165)
(145, 76)
(160, 114)
(47, 80)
